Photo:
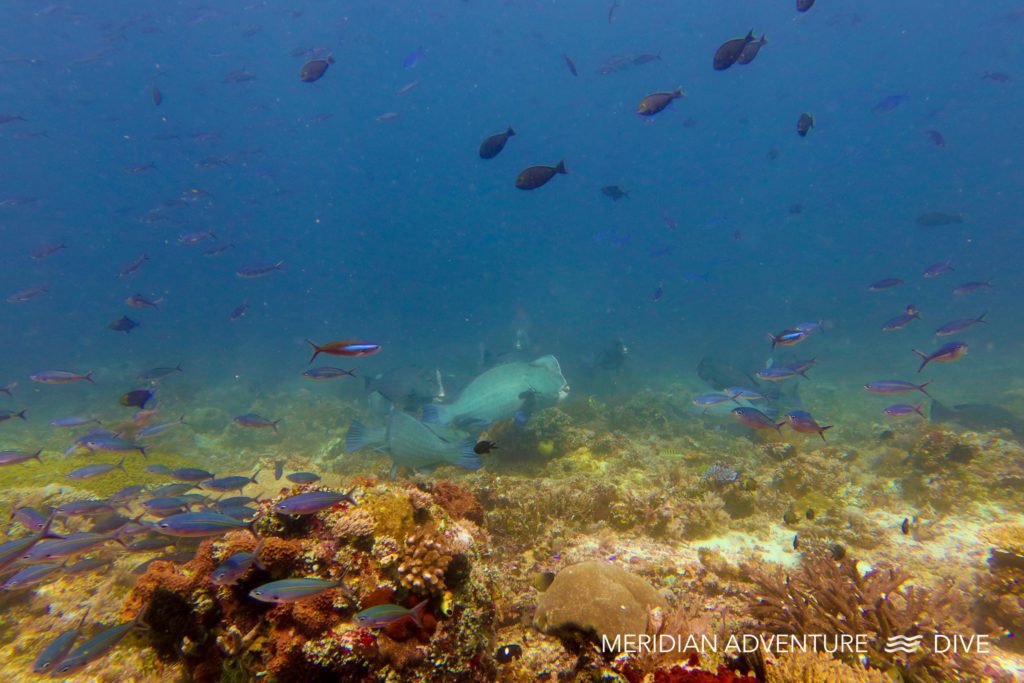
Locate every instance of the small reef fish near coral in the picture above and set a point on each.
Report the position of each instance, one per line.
(472, 342)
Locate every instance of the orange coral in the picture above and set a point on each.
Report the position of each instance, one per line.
(458, 501)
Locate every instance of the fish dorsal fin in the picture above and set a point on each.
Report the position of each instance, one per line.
(549, 363)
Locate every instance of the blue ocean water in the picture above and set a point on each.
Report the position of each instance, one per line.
(367, 188)
(396, 231)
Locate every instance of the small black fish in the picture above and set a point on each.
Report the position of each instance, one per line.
(158, 97)
(493, 145)
(809, 514)
(730, 51)
(804, 5)
(537, 176)
(659, 292)
(137, 398)
(278, 469)
(655, 102)
(796, 209)
(905, 527)
(124, 324)
(484, 447)
(314, 69)
(239, 310)
(838, 552)
(773, 154)
(751, 49)
(569, 63)
(614, 192)
(506, 653)
(790, 517)
(804, 124)
(796, 541)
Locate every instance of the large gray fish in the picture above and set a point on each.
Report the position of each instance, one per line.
(499, 393)
(408, 387)
(416, 445)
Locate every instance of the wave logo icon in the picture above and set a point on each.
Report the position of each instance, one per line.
(906, 644)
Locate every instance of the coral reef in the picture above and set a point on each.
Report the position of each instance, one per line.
(423, 563)
(826, 596)
(223, 634)
(816, 667)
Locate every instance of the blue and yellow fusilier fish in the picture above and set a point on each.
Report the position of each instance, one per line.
(198, 524)
(291, 590)
(59, 648)
(94, 648)
(383, 616)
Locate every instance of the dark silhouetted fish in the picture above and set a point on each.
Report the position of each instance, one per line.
(158, 97)
(936, 137)
(572, 66)
(314, 69)
(656, 102)
(935, 219)
(804, 124)
(493, 145)
(804, 5)
(123, 324)
(750, 50)
(730, 51)
(978, 417)
(614, 192)
(537, 176)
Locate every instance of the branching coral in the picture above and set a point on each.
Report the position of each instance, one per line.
(815, 667)
(825, 596)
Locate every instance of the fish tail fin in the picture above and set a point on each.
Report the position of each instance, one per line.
(37, 454)
(921, 389)
(316, 351)
(256, 553)
(416, 614)
(88, 377)
(349, 498)
(467, 458)
(350, 373)
(679, 92)
(21, 414)
(560, 168)
(279, 265)
(120, 464)
(510, 132)
(273, 424)
(773, 339)
(764, 40)
(821, 432)
(142, 449)
(917, 409)
(981, 318)
(778, 426)
(920, 354)
(356, 438)
(255, 474)
(433, 414)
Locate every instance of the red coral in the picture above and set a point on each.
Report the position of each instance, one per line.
(678, 674)
(458, 501)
